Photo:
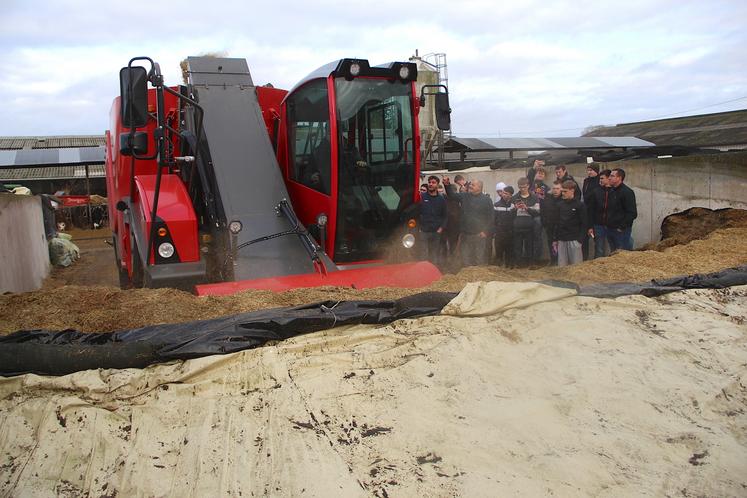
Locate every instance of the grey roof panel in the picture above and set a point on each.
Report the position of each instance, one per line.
(548, 143)
(626, 142)
(51, 142)
(40, 157)
(7, 157)
(578, 142)
(92, 154)
(52, 173)
(37, 156)
(68, 156)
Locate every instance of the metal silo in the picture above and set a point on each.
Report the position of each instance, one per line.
(429, 73)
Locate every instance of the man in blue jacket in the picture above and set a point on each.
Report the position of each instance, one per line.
(432, 222)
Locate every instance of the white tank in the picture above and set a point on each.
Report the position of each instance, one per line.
(427, 75)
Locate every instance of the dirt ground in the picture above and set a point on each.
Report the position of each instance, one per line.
(68, 299)
(96, 264)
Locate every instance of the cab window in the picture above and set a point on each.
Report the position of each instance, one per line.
(309, 136)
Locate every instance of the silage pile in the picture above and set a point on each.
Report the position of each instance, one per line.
(697, 223)
(100, 309)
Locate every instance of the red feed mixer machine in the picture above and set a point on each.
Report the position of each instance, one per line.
(219, 185)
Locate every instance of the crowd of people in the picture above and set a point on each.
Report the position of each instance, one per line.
(532, 224)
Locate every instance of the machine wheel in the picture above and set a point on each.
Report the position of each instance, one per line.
(138, 275)
(124, 278)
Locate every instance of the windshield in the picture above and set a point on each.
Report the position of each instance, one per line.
(376, 164)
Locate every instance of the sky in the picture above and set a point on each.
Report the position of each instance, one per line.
(548, 68)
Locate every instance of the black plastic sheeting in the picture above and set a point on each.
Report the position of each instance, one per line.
(716, 280)
(59, 353)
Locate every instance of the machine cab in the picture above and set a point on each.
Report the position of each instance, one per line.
(352, 155)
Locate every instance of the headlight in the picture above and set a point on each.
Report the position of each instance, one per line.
(355, 69)
(235, 227)
(404, 72)
(166, 250)
(321, 220)
(408, 241)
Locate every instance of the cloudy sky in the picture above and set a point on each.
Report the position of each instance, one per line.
(532, 68)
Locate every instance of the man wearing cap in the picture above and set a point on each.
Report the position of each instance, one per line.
(591, 181)
(503, 225)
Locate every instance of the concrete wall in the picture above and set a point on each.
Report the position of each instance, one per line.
(662, 186)
(24, 257)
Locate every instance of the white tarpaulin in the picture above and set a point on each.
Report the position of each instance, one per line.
(567, 396)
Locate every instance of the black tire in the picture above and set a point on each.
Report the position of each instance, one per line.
(124, 278)
(138, 275)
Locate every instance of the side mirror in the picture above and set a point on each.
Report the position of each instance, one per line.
(133, 89)
(443, 111)
(133, 143)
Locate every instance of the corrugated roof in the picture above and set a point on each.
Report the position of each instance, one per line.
(705, 130)
(485, 144)
(51, 142)
(52, 173)
(41, 157)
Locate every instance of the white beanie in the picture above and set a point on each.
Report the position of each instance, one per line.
(499, 186)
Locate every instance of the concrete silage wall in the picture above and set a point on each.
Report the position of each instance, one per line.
(23, 246)
(671, 185)
(662, 186)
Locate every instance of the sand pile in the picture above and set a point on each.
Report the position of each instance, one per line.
(565, 396)
(101, 309)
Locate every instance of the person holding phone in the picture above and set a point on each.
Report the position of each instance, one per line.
(527, 208)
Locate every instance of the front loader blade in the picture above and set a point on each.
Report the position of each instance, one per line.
(406, 275)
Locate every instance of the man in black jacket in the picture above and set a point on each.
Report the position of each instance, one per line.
(591, 182)
(504, 213)
(596, 211)
(621, 211)
(476, 224)
(571, 226)
(532, 172)
(527, 208)
(549, 216)
(561, 173)
(432, 222)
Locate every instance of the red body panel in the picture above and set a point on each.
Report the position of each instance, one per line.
(175, 208)
(183, 227)
(270, 100)
(407, 275)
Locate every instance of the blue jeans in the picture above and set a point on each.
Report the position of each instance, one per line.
(600, 237)
(620, 239)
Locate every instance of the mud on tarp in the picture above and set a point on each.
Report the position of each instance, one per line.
(59, 353)
(716, 280)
